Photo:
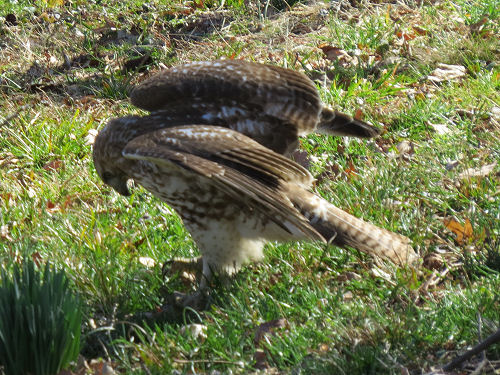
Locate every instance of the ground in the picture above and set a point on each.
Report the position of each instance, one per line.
(427, 72)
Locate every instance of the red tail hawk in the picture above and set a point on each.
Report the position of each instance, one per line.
(232, 193)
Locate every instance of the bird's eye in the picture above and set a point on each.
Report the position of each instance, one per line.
(106, 177)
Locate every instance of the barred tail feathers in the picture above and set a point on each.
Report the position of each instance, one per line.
(337, 123)
(343, 229)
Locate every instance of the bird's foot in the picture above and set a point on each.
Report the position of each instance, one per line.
(189, 269)
(178, 307)
(199, 300)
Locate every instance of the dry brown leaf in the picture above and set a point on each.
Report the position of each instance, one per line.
(359, 114)
(476, 27)
(483, 171)
(268, 327)
(51, 207)
(350, 171)
(53, 165)
(100, 367)
(405, 36)
(68, 202)
(445, 72)
(420, 30)
(337, 54)
(463, 232)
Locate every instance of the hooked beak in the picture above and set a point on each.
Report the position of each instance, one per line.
(120, 185)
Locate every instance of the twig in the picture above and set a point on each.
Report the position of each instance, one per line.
(204, 361)
(480, 334)
(490, 340)
(479, 367)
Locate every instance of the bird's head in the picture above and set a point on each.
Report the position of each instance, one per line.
(113, 177)
(108, 160)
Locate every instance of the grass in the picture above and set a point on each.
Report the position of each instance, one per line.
(62, 77)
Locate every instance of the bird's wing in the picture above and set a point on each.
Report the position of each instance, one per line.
(223, 88)
(240, 167)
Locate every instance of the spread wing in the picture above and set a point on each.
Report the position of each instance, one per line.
(270, 104)
(226, 86)
(233, 163)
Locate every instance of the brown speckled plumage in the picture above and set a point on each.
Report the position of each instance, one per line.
(272, 105)
(233, 194)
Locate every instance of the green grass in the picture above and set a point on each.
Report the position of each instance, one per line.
(344, 313)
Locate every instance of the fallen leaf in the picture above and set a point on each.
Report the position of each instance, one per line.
(359, 115)
(350, 170)
(440, 129)
(51, 207)
(419, 30)
(268, 327)
(90, 137)
(337, 54)
(483, 171)
(405, 148)
(147, 261)
(5, 233)
(67, 202)
(53, 165)
(100, 367)
(446, 72)
(463, 232)
(196, 331)
(476, 27)
(451, 165)
(405, 36)
(331, 52)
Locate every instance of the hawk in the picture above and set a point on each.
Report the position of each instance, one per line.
(232, 193)
(270, 104)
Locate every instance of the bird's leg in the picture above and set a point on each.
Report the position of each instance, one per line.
(199, 300)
